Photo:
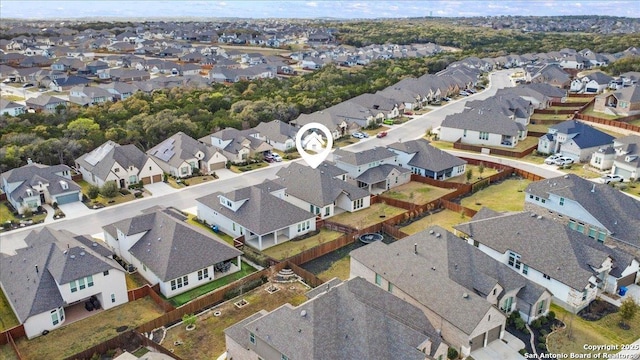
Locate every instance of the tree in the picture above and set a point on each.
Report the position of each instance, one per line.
(452, 353)
(109, 189)
(469, 175)
(93, 191)
(481, 168)
(189, 320)
(627, 311)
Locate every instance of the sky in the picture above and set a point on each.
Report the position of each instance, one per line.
(52, 9)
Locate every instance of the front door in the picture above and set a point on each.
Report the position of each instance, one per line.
(42, 199)
(122, 183)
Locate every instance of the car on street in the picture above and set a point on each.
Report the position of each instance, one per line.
(552, 159)
(381, 134)
(611, 178)
(446, 98)
(563, 160)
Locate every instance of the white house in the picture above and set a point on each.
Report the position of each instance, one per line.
(11, 108)
(237, 145)
(374, 169)
(279, 134)
(574, 139)
(259, 213)
(126, 165)
(169, 252)
(426, 160)
(57, 271)
(181, 154)
(627, 157)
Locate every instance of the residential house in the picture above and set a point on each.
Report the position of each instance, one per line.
(126, 165)
(279, 134)
(551, 74)
(627, 157)
(540, 95)
(379, 106)
(11, 108)
(597, 210)
(169, 252)
(120, 90)
(482, 126)
(182, 156)
(603, 158)
(374, 169)
(574, 139)
(89, 95)
(46, 103)
(418, 270)
(573, 267)
(337, 127)
(68, 82)
(426, 160)
(323, 190)
(510, 105)
(258, 213)
(32, 185)
(238, 146)
(333, 323)
(127, 75)
(407, 99)
(623, 102)
(56, 272)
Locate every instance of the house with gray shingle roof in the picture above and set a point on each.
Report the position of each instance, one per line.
(46, 103)
(11, 108)
(32, 185)
(574, 139)
(169, 252)
(351, 320)
(426, 160)
(259, 213)
(183, 156)
(627, 157)
(126, 165)
(624, 102)
(338, 127)
(59, 270)
(375, 169)
(238, 146)
(322, 190)
(279, 134)
(572, 266)
(423, 270)
(597, 210)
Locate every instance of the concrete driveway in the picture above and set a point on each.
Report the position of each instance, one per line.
(506, 349)
(74, 210)
(160, 188)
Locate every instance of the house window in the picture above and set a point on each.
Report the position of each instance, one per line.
(537, 198)
(179, 282)
(546, 276)
(149, 167)
(514, 260)
(580, 228)
(544, 201)
(184, 170)
(525, 269)
(508, 302)
(105, 273)
(541, 307)
(601, 236)
(116, 170)
(494, 291)
(572, 224)
(530, 196)
(203, 274)
(81, 283)
(54, 317)
(73, 286)
(483, 135)
(592, 233)
(327, 211)
(113, 298)
(144, 267)
(90, 281)
(252, 338)
(358, 204)
(561, 201)
(378, 280)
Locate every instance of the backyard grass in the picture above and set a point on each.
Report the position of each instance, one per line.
(207, 340)
(601, 332)
(589, 111)
(134, 281)
(7, 318)
(7, 353)
(339, 269)
(88, 332)
(538, 127)
(185, 297)
(582, 170)
(475, 170)
(367, 217)
(575, 99)
(220, 235)
(542, 117)
(445, 218)
(293, 247)
(442, 145)
(417, 193)
(635, 122)
(505, 196)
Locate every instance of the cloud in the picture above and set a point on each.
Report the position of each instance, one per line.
(312, 4)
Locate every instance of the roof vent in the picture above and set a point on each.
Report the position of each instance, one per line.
(438, 235)
(72, 256)
(566, 177)
(415, 248)
(539, 217)
(465, 295)
(431, 232)
(81, 253)
(433, 268)
(303, 313)
(533, 215)
(94, 244)
(593, 188)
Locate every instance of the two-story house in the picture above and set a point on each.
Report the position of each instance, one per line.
(375, 169)
(599, 211)
(573, 139)
(279, 134)
(32, 185)
(627, 157)
(126, 165)
(181, 156)
(426, 160)
(237, 146)
(58, 271)
(89, 95)
(169, 252)
(625, 102)
(259, 213)
(573, 267)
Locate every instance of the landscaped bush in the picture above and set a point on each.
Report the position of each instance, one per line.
(93, 192)
(536, 324)
(109, 189)
(124, 191)
(519, 324)
(452, 353)
(551, 315)
(27, 212)
(255, 257)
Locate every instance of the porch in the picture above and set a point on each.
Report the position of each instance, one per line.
(262, 242)
(633, 292)
(77, 312)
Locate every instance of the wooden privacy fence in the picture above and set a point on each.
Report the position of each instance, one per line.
(7, 336)
(621, 123)
(458, 208)
(127, 340)
(152, 292)
(502, 152)
(558, 111)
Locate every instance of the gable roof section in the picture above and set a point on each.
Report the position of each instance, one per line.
(489, 120)
(354, 320)
(426, 156)
(31, 174)
(172, 248)
(617, 212)
(380, 173)
(364, 156)
(100, 161)
(180, 147)
(583, 135)
(277, 130)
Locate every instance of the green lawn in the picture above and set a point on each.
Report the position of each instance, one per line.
(445, 218)
(417, 193)
(7, 353)
(7, 215)
(7, 318)
(118, 199)
(241, 169)
(80, 335)
(293, 247)
(589, 111)
(206, 288)
(366, 217)
(220, 235)
(506, 196)
(476, 175)
(582, 170)
(339, 269)
(543, 117)
(601, 332)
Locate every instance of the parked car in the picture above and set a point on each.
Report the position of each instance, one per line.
(446, 98)
(472, 91)
(563, 160)
(408, 113)
(358, 135)
(268, 157)
(27, 85)
(381, 134)
(276, 157)
(464, 93)
(611, 178)
(552, 159)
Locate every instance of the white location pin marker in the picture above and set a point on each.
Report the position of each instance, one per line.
(312, 146)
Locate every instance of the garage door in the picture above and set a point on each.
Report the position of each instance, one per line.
(623, 172)
(627, 280)
(477, 342)
(216, 166)
(146, 180)
(65, 199)
(157, 178)
(493, 334)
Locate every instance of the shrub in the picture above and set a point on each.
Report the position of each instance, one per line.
(512, 317)
(55, 205)
(109, 189)
(542, 346)
(551, 315)
(452, 353)
(124, 191)
(536, 324)
(519, 324)
(93, 192)
(6, 225)
(544, 332)
(189, 319)
(628, 310)
(544, 320)
(27, 212)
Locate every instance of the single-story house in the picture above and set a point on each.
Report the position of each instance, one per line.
(183, 156)
(625, 101)
(279, 134)
(373, 169)
(426, 160)
(574, 139)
